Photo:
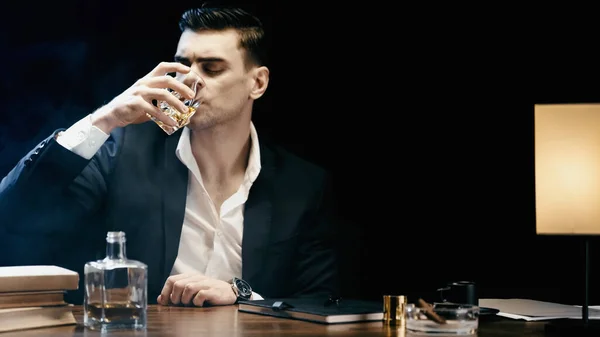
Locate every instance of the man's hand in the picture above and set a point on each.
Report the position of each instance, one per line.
(133, 105)
(196, 289)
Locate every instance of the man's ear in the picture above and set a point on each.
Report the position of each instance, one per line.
(261, 82)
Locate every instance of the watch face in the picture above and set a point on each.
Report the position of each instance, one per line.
(243, 287)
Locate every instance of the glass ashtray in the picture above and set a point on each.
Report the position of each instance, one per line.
(447, 318)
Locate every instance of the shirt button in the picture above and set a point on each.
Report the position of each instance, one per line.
(92, 142)
(81, 135)
(219, 233)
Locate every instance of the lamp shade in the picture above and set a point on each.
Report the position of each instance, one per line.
(567, 169)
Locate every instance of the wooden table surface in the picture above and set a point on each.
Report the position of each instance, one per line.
(226, 321)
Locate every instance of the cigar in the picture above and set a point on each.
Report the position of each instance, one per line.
(428, 311)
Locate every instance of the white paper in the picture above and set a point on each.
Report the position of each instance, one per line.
(532, 310)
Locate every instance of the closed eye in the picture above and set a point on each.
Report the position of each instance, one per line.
(212, 68)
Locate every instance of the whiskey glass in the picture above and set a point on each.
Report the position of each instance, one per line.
(182, 118)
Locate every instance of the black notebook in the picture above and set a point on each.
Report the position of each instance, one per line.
(316, 310)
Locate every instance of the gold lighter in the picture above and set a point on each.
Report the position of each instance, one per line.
(393, 310)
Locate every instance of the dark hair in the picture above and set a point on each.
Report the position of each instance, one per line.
(249, 27)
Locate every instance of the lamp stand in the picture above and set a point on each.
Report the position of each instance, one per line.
(578, 327)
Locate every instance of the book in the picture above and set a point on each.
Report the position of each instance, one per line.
(315, 309)
(32, 299)
(37, 278)
(35, 317)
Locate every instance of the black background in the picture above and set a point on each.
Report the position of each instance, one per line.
(424, 116)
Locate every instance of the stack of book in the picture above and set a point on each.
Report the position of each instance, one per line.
(33, 297)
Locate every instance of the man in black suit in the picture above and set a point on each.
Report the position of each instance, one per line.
(203, 206)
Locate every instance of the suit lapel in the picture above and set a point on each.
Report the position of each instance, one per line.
(257, 219)
(174, 193)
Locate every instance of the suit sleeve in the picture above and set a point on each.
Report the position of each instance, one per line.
(316, 260)
(52, 189)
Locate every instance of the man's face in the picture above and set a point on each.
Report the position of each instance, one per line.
(216, 57)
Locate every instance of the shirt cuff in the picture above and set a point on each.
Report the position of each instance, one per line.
(83, 138)
(256, 297)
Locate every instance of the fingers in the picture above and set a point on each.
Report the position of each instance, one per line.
(191, 289)
(205, 296)
(163, 95)
(143, 105)
(198, 290)
(169, 67)
(165, 294)
(210, 291)
(177, 286)
(168, 82)
(135, 104)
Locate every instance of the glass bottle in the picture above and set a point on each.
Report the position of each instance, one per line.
(116, 289)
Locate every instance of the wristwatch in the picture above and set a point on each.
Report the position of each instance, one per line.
(241, 289)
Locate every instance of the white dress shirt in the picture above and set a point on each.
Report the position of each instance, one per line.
(211, 241)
